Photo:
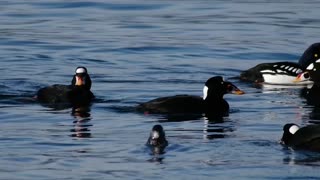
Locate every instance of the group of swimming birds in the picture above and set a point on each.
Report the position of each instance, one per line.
(306, 71)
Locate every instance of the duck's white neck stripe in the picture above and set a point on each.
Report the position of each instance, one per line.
(205, 92)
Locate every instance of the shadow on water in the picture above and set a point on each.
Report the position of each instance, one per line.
(81, 123)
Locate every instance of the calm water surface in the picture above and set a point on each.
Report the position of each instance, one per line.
(139, 50)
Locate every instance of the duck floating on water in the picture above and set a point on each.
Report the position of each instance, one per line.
(212, 102)
(307, 137)
(76, 94)
(283, 73)
(157, 140)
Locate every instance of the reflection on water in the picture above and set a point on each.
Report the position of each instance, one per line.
(301, 157)
(158, 158)
(81, 123)
(179, 117)
(315, 115)
(215, 128)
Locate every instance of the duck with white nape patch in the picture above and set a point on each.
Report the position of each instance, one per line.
(64, 96)
(307, 138)
(282, 73)
(212, 102)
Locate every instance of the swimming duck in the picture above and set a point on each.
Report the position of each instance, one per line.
(78, 93)
(157, 136)
(157, 139)
(211, 103)
(282, 72)
(307, 137)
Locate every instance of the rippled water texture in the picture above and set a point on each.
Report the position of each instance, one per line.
(139, 50)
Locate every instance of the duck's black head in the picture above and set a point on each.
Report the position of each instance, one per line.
(288, 131)
(157, 137)
(216, 87)
(81, 78)
(310, 55)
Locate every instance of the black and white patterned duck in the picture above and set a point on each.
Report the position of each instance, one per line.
(307, 137)
(212, 102)
(282, 72)
(76, 94)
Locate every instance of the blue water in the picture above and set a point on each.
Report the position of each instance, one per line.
(139, 50)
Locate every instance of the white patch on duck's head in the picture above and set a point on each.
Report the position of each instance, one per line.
(155, 135)
(205, 92)
(310, 67)
(293, 129)
(81, 70)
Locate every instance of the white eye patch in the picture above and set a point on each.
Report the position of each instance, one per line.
(293, 129)
(205, 92)
(310, 67)
(81, 70)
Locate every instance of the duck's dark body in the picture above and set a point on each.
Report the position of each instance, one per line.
(307, 137)
(312, 95)
(64, 94)
(211, 104)
(183, 104)
(174, 104)
(54, 94)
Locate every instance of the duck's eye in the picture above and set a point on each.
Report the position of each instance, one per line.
(316, 55)
(306, 75)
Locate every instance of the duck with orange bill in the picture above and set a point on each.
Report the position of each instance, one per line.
(76, 94)
(282, 73)
(212, 102)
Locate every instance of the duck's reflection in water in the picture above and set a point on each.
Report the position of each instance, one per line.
(214, 127)
(82, 122)
(301, 157)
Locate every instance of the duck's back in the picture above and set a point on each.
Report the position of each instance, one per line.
(307, 138)
(174, 105)
(54, 94)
